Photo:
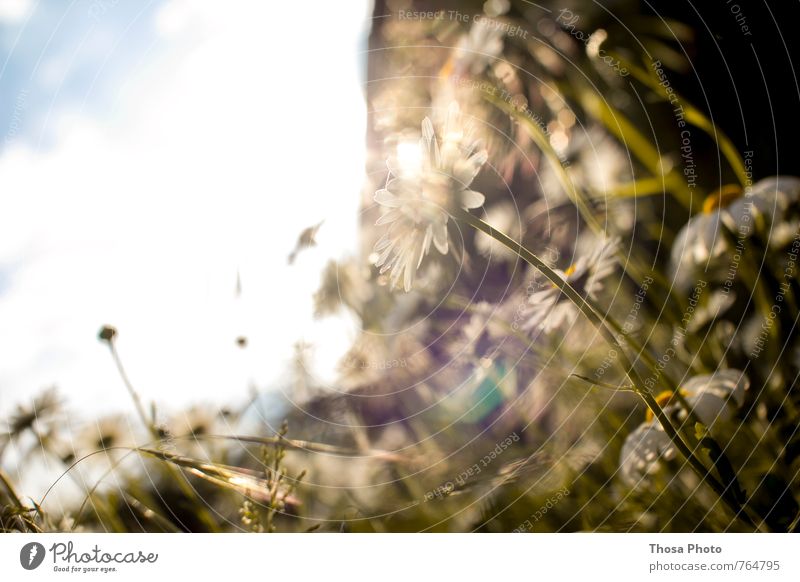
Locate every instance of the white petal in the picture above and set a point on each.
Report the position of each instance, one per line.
(465, 170)
(408, 279)
(440, 237)
(479, 158)
(429, 146)
(472, 199)
(390, 263)
(404, 187)
(395, 167)
(546, 296)
(386, 198)
(450, 154)
(437, 156)
(426, 243)
(427, 129)
(451, 126)
(384, 255)
(382, 243)
(400, 265)
(390, 216)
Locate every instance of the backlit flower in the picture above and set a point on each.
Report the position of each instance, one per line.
(39, 414)
(108, 434)
(194, 429)
(426, 180)
(196, 422)
(716, 397)
(713, 398)
(644, 454)
(548, 308)
(730, 215)
(477, 49)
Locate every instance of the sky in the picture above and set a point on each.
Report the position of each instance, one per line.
(149, 153)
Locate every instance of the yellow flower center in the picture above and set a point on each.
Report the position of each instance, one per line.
(447, 68)
(664, 398)
(569, 271)
(721, 198)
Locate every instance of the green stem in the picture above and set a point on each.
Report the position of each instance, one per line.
(639, 188)
(635, 269)
(693, 116)
(600, 322)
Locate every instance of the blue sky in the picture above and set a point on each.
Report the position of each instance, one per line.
(149, 151)
(58, 55)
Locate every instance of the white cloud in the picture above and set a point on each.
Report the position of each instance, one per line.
(220, 152)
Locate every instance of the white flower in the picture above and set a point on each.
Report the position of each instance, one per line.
(702, 244)
(37, 417)
(548, 308)
(714, 399)
(644, 453)
(701, 240)
(764, 206)
(111, 434)
(496, 7)
(192, 428)
(711, 304)
(196, 422)
(426, 180)
(108, 432)
(478, 49)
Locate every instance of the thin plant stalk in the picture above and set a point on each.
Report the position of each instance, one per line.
(9, 487)
(600, 322)
(541, 140)
(182, 483)
(137, 401)
(575, 197)
(693, 116)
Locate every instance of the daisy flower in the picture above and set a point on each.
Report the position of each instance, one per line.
(36, 417)
(477, 49)
(196, 422)
(700, 240)
(701, 244)
(764, 208)
(713, 398)
(644, 455)
(549, 308)
(426, 180)
(716, 397)
(192, 426)
(105, 434)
